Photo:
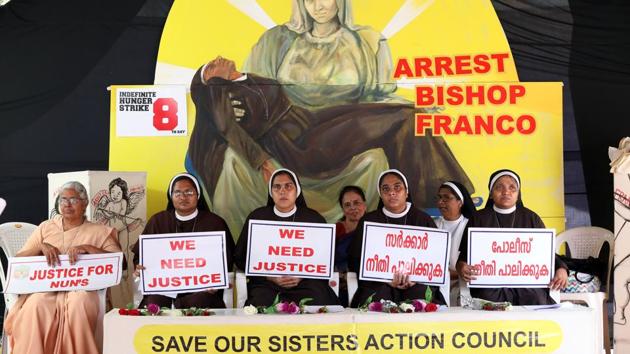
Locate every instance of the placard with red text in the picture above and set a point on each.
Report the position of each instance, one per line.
(155, 110)
(420, 252)
(183, 262)
(27, 275)
(511, 258)
(303, 250)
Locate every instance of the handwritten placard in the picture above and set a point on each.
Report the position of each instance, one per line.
(420, 252)
(183, 262)
(289, 248)
(515, 258)
(27, 275)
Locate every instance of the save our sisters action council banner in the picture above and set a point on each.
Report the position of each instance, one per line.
(183, 262)
(27, 275)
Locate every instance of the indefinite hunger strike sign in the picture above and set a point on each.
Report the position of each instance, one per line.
(183, 262)
(27, 275)
(420, 252)
(289, 248)
(516, 258)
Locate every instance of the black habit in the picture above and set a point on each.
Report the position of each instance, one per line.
(165, 222)
(522, 217)
(381, 290)
(262, 292)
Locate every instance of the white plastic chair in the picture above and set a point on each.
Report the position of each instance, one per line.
(241, 287)
(353, 284)
(13, 235)
(584, 242)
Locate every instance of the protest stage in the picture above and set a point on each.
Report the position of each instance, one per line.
(454, 330)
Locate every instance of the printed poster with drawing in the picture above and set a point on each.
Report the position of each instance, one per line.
(420, 252)
(514, 258)
(297, 249)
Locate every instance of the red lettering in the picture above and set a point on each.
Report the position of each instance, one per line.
(443, 65)
(402, 68)
(462, 64)
(423, 65)
(179, 245)
(500, 58)
(423, 121)
(442, 123)
(531, 124)
(481, 64)
(424, 96)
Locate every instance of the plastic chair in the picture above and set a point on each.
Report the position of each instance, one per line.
(353, 284)
(584, 242)
(241, 287)
(13, 235)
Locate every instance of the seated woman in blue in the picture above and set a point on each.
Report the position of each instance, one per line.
(395, 207)
(285, 203)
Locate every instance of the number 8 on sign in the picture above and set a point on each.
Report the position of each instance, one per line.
(165, 114)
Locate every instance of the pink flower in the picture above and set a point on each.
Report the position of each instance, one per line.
(418, 305)
(431, 307)
(153, 309)
(282, 307)
(375, 306)
(293, 308)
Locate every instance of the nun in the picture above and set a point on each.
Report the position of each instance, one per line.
(505, 209)
(284, 204)
(456, 208)
(186, 211)
(395, 207)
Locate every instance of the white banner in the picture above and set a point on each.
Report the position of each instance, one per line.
(511, 258)
(421, 252)
(183, 262)
(27, 275)
(303, 250)
(151, 110)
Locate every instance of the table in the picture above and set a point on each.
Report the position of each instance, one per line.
(454, 330)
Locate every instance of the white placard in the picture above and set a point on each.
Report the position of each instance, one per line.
(155, 110)
(303, 250)
(183, 262)
(511, 258)
(27, 275)
(420, 252)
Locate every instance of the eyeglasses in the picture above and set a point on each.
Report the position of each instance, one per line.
(396, 188)
(183, 194)
(66, 201)
(444, 198)
(354, 204)
(287, 187)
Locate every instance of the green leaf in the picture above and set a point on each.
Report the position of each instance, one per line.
(428, 295)
(304, 301)
(130, 306)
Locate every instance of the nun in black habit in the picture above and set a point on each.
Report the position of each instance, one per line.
(505, 209)
(395, 207)
(186, 211)
(285, 203)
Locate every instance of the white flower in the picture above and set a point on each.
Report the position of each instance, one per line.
(173, 313)
(405, 307)
(250, 310)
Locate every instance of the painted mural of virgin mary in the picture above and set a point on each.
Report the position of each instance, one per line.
(317, 97)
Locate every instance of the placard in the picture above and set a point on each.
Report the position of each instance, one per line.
(420, 252)
(183, 262)
(514, 258)
(27, 275)
(303, 250)
(158, 110)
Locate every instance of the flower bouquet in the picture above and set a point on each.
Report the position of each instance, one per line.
(407, 306)
(281, 307)
(155, 310)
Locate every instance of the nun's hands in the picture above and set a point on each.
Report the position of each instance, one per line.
(285, 281)
(559, 280)
(139, 268)
(465, 271)
(401, 281)
(51, 253)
